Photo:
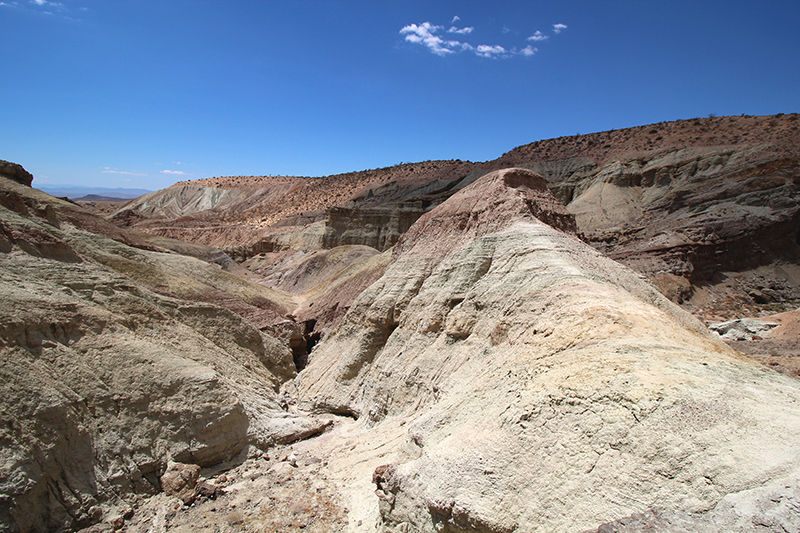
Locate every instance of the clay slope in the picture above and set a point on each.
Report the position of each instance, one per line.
(215, 195)
(113, 360)
(215, 210)
(507, 377)
(324, 282)
(682, 202)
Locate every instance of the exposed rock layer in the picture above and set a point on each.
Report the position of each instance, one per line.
(543, 387)
(112, 362)
(15, 172)
(679, 201)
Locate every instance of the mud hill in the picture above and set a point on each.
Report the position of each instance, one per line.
(520, 381)
(114, 361)
(437, 346)
(706, 208)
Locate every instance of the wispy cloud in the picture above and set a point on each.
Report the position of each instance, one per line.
(45, 3)
(485, 50)
(176, 172)
(424, 35)
(538, 36)
(42, 7)
(109, 170)
(462, 31)
(430, 36)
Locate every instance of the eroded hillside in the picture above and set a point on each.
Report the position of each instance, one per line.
(521, 381)
(405, 349)
(114, 360)
(692, 204)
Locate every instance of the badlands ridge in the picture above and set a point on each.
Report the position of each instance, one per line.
(510, 346)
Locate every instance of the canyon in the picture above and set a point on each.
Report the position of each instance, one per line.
(520, 344)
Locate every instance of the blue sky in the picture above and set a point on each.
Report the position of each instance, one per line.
(144, 93)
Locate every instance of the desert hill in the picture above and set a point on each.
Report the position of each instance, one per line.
(690, 204)
(527, 383)
(114, 361)
(437, 346)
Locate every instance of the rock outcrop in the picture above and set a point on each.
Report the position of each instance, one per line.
(15, 172)
(681, 202)
(741, 329)
(113, 361)
(528, 383)
(692, 212)
(493, 371)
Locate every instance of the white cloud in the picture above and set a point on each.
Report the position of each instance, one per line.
(455, 19)
(109, 170)
(41, 7)
(428, 35)
(416, 34)
(46, 3)
(178, 172)
(485, 50)
(462, 31)
(424, 34)
(538, 36)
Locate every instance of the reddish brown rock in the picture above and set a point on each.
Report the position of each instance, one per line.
(15, 172)
(180, 481)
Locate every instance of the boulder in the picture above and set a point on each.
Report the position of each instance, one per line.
(180, 481)
(741, 329)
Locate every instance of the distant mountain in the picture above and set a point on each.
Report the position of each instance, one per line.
(98, 198)
(75, 192)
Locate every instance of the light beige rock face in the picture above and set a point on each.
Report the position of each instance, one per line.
(104, 377)
(189, 198)
(543, 387)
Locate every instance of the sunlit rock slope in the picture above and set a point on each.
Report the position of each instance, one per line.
(113, 360)
(529, 383)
